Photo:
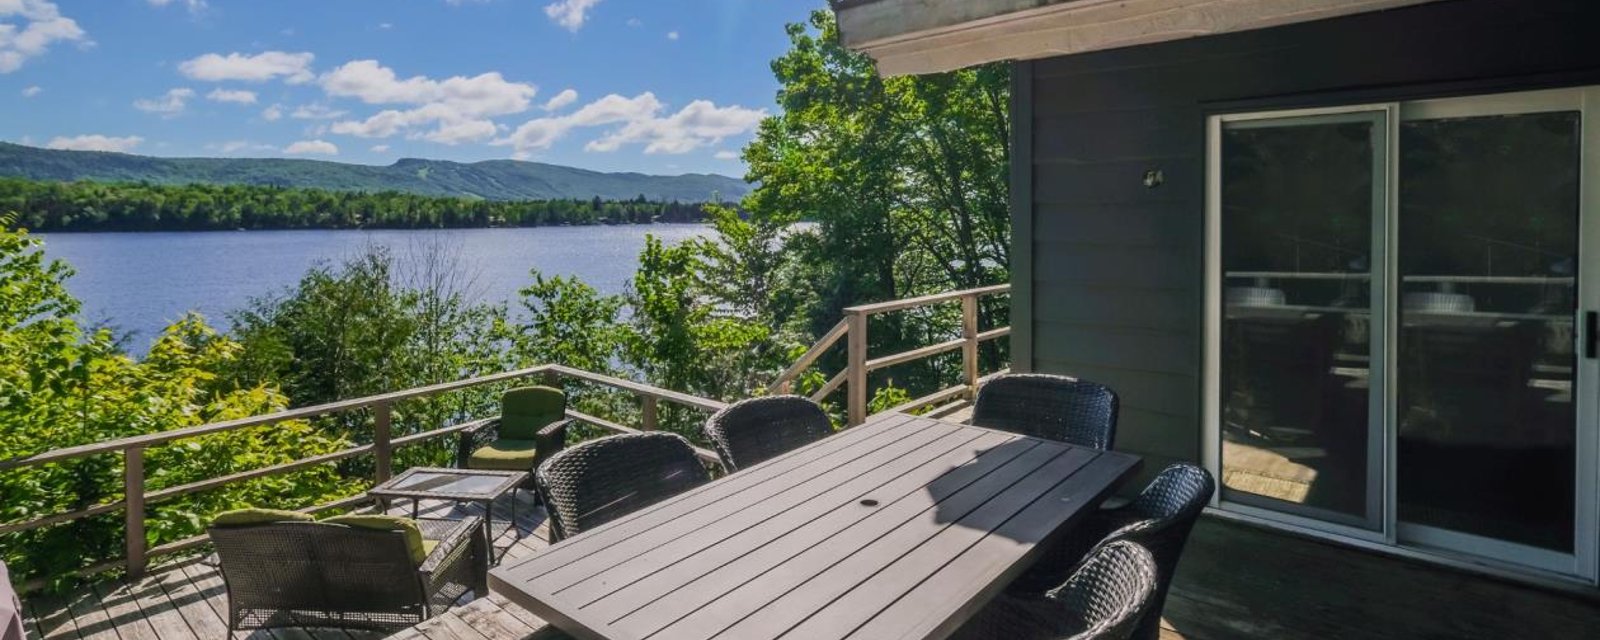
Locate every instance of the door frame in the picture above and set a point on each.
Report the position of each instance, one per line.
(1583, 565)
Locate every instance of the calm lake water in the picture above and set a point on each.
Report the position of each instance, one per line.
(140, 282)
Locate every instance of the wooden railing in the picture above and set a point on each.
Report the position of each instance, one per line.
(853, 329)
(136, 496)
(132, 449)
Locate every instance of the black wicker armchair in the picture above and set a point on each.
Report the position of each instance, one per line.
(532, 426)
(601, 480)
(1058, 408)
(1106, 597)
(1160, 520)
(319, 574)
(751, 431)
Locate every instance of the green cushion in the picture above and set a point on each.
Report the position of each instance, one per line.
(524, 411)
(243, 517)
(413, 534)
(504, 455)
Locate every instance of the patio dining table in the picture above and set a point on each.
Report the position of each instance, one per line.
(902, 527)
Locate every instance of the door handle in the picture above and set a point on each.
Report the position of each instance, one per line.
(1591, 342)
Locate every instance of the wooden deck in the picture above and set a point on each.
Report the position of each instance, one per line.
(1235, 581)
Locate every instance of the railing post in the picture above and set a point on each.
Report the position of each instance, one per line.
(969, 349)
(133, 500)
(382, 442)
(648, 421)
(856, 378)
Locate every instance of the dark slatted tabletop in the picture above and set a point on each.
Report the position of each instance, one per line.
(902, 527)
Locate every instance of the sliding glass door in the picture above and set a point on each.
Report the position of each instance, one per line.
(1302, 209)
(1489, 211)
(1398, 297)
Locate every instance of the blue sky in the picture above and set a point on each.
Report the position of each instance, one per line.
(657, 86)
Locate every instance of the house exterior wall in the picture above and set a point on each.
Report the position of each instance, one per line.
(1109, 277)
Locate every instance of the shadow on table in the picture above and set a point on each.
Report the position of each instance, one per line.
(985, 492)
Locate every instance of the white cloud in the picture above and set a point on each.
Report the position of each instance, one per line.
(385, 26)
(272, 113)
(540, 133)
(236, 146)
(294, 68)
(32, 91)
(570, 14)
(29, 27)
(380, 148)
(170, 104)
(635, 22)
(458, 106)
(726, 155)
(312, 147)
(94, 142)
(195, 6)
(560, 100)
(672, 35)
(316, 111)
(239, 96)
(461, 131)
(698, 124)
(484, 94)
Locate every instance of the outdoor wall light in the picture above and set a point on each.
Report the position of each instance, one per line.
(1153, 178)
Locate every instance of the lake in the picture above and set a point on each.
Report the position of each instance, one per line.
(141, 282)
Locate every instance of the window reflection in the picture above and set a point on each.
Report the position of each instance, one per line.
(1488, 246)
(1298, 204)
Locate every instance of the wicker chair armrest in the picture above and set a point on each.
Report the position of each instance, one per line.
(554, 436)
(476, 434)
(458, 538)
(460, 563)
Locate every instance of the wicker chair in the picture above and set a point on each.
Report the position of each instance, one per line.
(532, 426)
(1106, 597)
(1160, 520)
(601, 480)
(315, 574)
(1058, 408)
(751, 431)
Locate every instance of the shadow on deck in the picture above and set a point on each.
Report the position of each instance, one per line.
(186, 600)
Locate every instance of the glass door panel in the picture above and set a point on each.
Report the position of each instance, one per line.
(1488, 263)
(1301, 201)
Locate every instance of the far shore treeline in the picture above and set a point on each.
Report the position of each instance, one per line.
(100, 206)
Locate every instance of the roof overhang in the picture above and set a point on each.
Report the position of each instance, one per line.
(928, 36)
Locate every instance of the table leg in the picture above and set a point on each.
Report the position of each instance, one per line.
(488, 530)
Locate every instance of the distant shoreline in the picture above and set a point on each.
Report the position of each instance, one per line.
(373, 228)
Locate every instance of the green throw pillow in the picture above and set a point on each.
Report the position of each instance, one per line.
(242, 517)
(407, 526)
(526, 410)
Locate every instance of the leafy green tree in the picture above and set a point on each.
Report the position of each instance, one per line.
(61, 385)
(362, 329)
(905, 178)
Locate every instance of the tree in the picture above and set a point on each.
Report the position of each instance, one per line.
(906, 179)
(61, 386)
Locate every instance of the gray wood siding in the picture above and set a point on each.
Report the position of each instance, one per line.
(1112, 271)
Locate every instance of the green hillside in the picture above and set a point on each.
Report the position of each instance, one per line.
(490, 179)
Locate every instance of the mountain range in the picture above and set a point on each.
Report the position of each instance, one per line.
(489, 179)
